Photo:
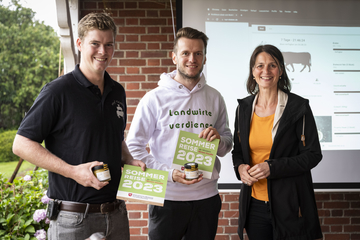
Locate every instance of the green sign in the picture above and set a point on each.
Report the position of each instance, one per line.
(191, 148)
(147, 186)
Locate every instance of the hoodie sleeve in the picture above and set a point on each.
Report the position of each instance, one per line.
(222, 126)
(141, 130)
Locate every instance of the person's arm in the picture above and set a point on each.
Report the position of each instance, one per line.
(36, 154)
(127, 158)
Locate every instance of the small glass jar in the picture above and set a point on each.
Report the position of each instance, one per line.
(102, 173)
(191, 171)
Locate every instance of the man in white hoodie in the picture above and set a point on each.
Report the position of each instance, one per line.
(183, 101)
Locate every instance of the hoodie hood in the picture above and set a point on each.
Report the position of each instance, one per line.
(167, 80)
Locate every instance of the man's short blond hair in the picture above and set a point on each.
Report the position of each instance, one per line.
(191, 33)
(100, 21)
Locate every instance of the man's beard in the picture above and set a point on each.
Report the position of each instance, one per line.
(188, 77)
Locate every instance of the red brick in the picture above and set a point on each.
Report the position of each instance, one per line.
(153, 38)
(152, 13)
(136, 78)
(322, 196)
(151, 5)
(132, 62)
(336, 205)
(231, 197)
(234, 222)
(336, 220)
(355, 236)
(148, 85)
(132, 30)
(355, 204)
(138, 223)
(119, 21)
(352, 213)
(135, 94)
(152, 21)
(89, 5)
(132, 86)
(119, 54)
(167, 30)
(131, 4)
(231, 214)
(153, 70)
(170, 21)
(115, 70)
(336, 229)
(153, 46)
(167, 62)
(132, 38)
(153, 54)
(154, 78)
(324, 213)
(325, 229)
(153, 62)
(111, 5)
(355, 220)
(132, 54)
(145, 215)
(167, 13)
(132, 101)
(138, 237)
(168, 46)
(222, 237)
(134, 215)
(352, 197)
(132, 21)
(135, 231)
(337, 196)
(132, 13)
(132, 70)
(352, 228)
(153, 30)
(337, 213)
(223, 222)
(337, 236)
(134, 46)
(231, 229)
(234, 206)
(136, 206)
(236, 237)
(119, 38)
(225, 206)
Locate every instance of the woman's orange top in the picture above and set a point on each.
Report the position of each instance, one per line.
(260, 142)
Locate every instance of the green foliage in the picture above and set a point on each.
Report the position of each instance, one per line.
(6, 142)
(29, 53)
(18, 203)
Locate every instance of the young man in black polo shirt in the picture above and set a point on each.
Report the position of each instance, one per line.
(82, 118)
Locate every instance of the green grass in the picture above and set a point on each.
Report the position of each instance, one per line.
(7, 168)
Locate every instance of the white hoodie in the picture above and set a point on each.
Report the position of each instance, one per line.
(160, 116)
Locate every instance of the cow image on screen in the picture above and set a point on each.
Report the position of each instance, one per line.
(291, 58)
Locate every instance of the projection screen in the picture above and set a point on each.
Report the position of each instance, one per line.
(320, 41)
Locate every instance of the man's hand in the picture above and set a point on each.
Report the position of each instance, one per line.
(138, 163)
(180, 178)
(83, 175)
(209, 134)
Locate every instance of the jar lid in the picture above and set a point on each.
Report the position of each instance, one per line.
(190, 165)
(97, 167)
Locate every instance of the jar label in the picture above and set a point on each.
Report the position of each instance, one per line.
(191, 174)
(103, 176)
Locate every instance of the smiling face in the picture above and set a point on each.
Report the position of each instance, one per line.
(97, 49)
(266, 71)
(189, 59)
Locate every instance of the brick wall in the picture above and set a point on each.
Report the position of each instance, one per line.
(143, 52)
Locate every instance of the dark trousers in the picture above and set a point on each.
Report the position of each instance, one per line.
(185, 220)
(258, 222)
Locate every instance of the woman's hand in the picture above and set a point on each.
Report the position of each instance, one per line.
(260, 171)
(246, 178)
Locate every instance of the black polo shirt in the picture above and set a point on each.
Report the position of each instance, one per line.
(79, 125)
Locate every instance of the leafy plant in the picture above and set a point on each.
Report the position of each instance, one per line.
(6, 142)
(19, 201)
